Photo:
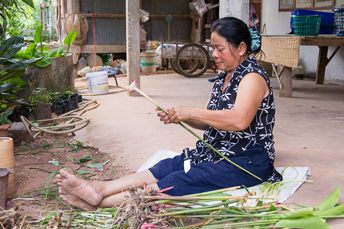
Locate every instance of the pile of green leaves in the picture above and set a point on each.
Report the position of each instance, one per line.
(229, 212)
(37, 49)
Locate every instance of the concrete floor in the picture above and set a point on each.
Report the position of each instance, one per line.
(309, 128)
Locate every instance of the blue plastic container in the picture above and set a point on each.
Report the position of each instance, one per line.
(327, 19)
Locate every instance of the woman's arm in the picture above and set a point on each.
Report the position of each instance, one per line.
(251, 92)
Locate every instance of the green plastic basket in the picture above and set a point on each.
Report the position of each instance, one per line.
(306, 25)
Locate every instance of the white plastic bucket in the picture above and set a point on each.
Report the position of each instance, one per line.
(98, 82)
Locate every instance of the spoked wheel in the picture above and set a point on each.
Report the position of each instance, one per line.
(174, 67)
(192, 60)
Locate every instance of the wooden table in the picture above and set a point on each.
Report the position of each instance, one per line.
(283, 52)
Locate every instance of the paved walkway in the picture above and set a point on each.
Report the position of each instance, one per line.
(309, 127)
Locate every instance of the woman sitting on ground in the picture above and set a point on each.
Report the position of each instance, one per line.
(238, 122)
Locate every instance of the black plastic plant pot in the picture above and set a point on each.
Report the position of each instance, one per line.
(67, 105)
(73, 99)
(58, 108)
(74, 103)
(79, 97)
(53, 108)
(21, 110)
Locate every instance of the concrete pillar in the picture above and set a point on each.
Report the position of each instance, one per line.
(235, 8)
(133, 42)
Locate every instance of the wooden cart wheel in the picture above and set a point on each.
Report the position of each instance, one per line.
(192, 60)
(176, 69)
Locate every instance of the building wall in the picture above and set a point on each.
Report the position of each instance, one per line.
(111, 31)
(108, 31)
(279, 23)
(157, 26)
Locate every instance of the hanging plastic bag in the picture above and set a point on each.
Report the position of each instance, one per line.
(199, 7)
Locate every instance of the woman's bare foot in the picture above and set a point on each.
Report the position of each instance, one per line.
(74, 200)
(79, 188)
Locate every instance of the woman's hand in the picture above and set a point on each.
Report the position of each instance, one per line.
(164, 117)
(175, 114)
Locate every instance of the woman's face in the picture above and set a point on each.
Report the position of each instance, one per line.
(226, 56)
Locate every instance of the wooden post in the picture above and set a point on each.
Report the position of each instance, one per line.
(73, 7)
(286, 83)
(322, 62)
(133, 42)
(235, 8)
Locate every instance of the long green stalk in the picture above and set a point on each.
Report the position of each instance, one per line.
(188, 211)
(242, 224)
(200, 205)
(203, 193)
(229, 216)
(186, 127)
(190, 198)
(215, 191)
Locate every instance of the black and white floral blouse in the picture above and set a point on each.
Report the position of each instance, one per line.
(234, 143)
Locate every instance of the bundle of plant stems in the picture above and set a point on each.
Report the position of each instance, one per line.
(101, 218)
(231, 212)
(214, 209)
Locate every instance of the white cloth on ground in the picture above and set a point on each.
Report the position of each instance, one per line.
(293, 178)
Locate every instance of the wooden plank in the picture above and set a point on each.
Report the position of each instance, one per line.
(100, 49)
(174, 16)
(116, 16)
(323, 40)
(133, 42)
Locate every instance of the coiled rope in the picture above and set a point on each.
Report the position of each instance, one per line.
(78, 23)
(66, 123)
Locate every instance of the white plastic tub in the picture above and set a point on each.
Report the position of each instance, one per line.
(98, 82)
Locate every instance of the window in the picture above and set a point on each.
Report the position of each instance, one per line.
(286, 5)
(289, 5)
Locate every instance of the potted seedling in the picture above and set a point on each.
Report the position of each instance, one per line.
(57, 105)
(71, 100)
(41, 106)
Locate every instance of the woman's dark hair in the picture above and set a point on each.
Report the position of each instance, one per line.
(234, 31)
